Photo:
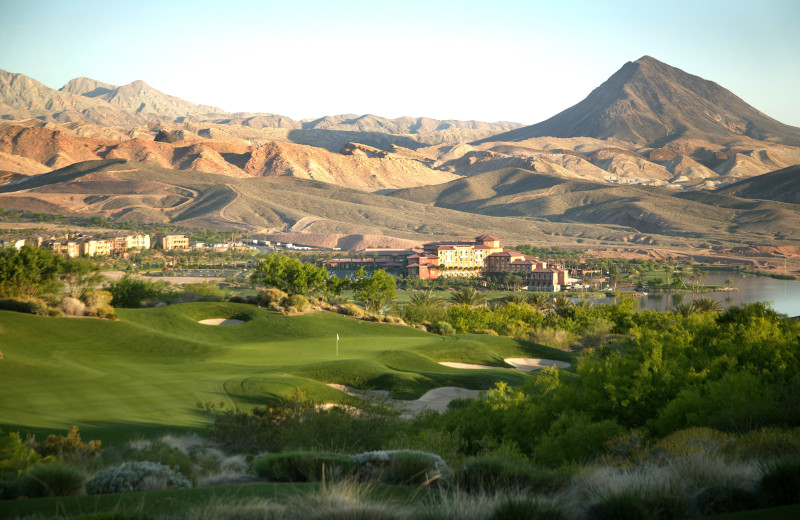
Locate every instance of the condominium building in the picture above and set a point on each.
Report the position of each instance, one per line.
(168, 242)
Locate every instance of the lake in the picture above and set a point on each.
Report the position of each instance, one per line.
(783, 294)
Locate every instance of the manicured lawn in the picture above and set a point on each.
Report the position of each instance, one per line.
(147, 372)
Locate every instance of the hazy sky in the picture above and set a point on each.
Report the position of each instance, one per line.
(509, 60)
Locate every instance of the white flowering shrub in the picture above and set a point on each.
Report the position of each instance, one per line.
(136, 476)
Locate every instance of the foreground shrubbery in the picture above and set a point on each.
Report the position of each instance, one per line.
(136, 476)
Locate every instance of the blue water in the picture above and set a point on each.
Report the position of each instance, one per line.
(784, 295)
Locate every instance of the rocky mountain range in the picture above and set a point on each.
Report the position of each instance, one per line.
(651, 156)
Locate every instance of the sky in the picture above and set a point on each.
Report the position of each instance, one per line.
(500, 60)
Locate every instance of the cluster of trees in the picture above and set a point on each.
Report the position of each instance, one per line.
(735, 371)
(376, 291)
(31, 272)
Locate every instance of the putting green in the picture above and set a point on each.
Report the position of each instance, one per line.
(150, 369)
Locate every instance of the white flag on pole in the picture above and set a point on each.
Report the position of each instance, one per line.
(337, 337)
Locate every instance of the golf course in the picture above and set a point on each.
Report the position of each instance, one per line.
(156, 369)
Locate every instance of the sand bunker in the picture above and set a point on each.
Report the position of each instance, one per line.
(465, 366)
(221, 321)
(530, 364)
(524, 364)
(436, 399)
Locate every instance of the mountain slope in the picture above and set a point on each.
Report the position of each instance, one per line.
(782, 185)
(650, 103)
(645, 210)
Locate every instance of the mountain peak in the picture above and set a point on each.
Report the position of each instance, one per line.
(649, 102)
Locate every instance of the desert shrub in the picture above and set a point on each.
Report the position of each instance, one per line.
(443, 328)
(780, 482)
(718, 500)
(161, 453)
(764, 444)
(202, 291)
(26, 305)
(303, 466)
(410, 467)
(73, 306)
(104, 311)
(493, 472)
(525, 508)
(251, 509)
(343, 501)
(271, 295)
(699, 440)
(552, 337)
(96, 298)
(69, 446)
(52, 480)
(297, 301)
(15, 456)
(136, 476)
(350, 309)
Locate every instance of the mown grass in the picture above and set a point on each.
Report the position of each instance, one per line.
(147, 372)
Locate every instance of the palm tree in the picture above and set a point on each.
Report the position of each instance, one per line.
(538, 300)
(426, 299)
(467, 296)
(684, 309)
(729, 282)
(562, 305)
(706, 305)
(516, 298)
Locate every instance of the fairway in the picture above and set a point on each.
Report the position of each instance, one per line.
(149, 370)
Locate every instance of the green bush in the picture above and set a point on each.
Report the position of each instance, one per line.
(303, 466)
(131, 292)
(443, 328)
(136, 476)
(718, 500)
(52, 480)
(410, 467)
(525, 508)
(15, 456)
(780, 482)
(490, 473)
(26, 305)
(298, 301)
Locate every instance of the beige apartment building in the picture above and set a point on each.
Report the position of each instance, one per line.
(170, 242)
(92, 247)
(122, 243)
